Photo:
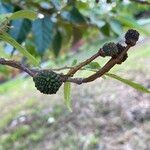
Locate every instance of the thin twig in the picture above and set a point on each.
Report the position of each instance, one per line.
(78, 67)
(107, 66)
(141, 2)
(17, 65)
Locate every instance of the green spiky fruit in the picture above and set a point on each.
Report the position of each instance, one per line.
(47, 82)
(131, 37)
(110, 49)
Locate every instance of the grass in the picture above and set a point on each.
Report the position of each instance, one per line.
(12, 113)
(12, 84)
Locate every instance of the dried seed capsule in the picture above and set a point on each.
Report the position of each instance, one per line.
(110, 49)
(131, 37)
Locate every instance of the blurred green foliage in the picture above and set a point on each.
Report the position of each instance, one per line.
(64, 26)
(62, 23)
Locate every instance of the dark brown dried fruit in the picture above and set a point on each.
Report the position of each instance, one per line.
(131, 37)
(110, 49)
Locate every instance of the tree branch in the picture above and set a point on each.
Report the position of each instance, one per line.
(141, 2)
(111, 63)
(78, 67)
(17, 65)
(131, 37)
(66, 78)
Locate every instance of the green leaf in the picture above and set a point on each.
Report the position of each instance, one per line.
(73, 16)
(74, 62)
(56, 4)
(7, 38)
(67, 95)
(106, 29)
(30, 46)
(4, 17)
(116, 26)
(96, 22)
(93, 65)
(21, 29)
(132, 23)
(4, 71)
(94, 68)
(43, 33)
(129, 82)
(57, 42)
(28, 14)
(66, 31)
(5, 7)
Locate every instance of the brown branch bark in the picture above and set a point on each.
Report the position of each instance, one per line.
(17, 65)
(141, 2)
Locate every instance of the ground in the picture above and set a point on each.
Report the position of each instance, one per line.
(107, 115)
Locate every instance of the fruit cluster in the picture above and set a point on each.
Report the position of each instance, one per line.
(112, 49)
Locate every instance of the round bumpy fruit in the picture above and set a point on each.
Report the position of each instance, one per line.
(131, 37)
(47, 82)
(110, 49)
